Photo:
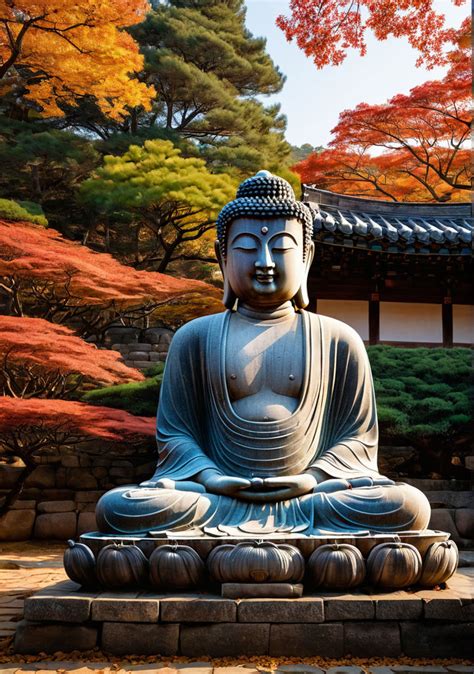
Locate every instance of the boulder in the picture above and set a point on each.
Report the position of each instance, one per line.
(43, 477)
(17, 525)
(57, 526)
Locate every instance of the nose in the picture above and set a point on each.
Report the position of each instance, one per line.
(264, 260)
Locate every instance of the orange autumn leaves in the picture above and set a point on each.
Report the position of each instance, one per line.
(326, 29)
(412, 148)
(58, 51)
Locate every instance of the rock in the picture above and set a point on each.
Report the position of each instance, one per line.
(55, 526)
(224, 639)
(391, 459)
(142, 346)
(9, 475)
(306, 640)
(464, 520)
(140, 638)
(42, 476)
(158, 335)
(63, 609)
(155, 357)
(403, 607)
(137, 355)
(141, 364)
(86, 522)
(23, 505)
(43, 638)
(372, 639)
(431, 640)
(78, 478)
(309, 610)
(88, 496)
(262, 590)
(198, 609)
(121, 334)
(56, 506)
(70, 461)
(17, 525)
(125, 607)
(349, 607)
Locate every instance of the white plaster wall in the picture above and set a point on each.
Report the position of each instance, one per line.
(353, 312)
(463, 323)
(411, 322)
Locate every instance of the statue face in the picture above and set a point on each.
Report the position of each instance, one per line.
(264, 265)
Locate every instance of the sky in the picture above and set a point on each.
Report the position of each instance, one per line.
(312, 99)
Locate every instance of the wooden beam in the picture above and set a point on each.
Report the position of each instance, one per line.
(374, 318)
(447, 317)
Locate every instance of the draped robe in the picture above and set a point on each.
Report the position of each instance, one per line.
(334, 428)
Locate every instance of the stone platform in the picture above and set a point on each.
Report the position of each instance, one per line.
(426, 623)
(204, 543)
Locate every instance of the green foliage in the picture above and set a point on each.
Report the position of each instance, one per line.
(140, 399)
(23, 211)
(45, 166)
(301, 152)
(422, 393)
(157, 201)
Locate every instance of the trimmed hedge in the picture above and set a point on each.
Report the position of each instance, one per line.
(24, 211)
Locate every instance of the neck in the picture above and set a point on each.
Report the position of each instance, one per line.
(266, 313)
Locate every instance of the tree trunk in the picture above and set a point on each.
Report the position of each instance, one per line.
(16, 490)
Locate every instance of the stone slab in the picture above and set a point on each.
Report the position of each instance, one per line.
(44, 638)
(348, 607)
(401, 607)
(262, 590)
(56, 506)
(198, 609)
(305, 640)
(139, 639)
(437, 640)
(62, 609)
(454, 609)
(117, 607)
(225, 639)
(371, 639)
(281, 610)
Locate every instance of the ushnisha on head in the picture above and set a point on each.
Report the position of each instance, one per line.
(264, 244)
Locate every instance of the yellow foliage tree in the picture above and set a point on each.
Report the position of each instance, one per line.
(57, 51)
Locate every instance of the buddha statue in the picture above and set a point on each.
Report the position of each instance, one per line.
(267, 419)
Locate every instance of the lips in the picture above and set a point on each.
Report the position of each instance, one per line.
(265, 278)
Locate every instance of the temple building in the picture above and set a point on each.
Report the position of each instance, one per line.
(399, 273)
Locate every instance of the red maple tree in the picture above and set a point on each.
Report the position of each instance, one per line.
(30, 426)
(411, 148)
(326, 29)
(43, 275)
(41, 359)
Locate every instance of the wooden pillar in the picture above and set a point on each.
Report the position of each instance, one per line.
(374, 318)
(447, 316)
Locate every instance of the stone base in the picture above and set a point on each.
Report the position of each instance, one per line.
(203, 545)
(426, 623)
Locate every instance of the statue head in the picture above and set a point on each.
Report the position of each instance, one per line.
(264, 244)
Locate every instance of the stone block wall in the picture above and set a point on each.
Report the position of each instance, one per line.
(140, 348)
(59, 498)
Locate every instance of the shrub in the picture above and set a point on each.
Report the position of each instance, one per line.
(25, 211)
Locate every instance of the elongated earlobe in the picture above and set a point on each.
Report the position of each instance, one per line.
(301, 299)
(230, 298)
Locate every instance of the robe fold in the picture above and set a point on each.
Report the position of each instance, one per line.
(334, 427)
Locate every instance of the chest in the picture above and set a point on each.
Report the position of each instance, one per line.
(261, 357)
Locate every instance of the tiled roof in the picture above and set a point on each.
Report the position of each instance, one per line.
(423, 228)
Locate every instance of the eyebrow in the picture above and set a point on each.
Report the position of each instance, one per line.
(257, 238)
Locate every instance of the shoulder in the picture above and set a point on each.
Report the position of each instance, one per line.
(335, 330)
(196, 330)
